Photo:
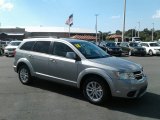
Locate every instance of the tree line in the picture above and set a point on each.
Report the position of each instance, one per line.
(145, 35)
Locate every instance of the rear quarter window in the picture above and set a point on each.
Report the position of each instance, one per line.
(42, 46)
(27, 45)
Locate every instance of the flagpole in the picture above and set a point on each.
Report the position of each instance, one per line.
(69, 32)
(96, 28)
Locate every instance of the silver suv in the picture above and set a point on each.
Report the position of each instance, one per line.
(80, 64)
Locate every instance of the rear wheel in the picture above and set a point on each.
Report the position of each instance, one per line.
(150, 52)
(96, 91)
(24, 75)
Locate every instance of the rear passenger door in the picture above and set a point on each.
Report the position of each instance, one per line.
(40, 56)
(60, 67)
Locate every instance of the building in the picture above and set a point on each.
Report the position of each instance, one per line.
(58, 32)
(114, 37)
(12, 33)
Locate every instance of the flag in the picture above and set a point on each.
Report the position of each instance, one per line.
(70, 20)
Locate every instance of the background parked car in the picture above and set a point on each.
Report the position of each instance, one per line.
(118, 43)
(158, 42)
(111, 48)
(132, 48)
(152, 48)
(10, 48)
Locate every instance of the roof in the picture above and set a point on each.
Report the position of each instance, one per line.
(52, 39)
(114, 36)
(16, 34)
(84, 37)
(58, 29)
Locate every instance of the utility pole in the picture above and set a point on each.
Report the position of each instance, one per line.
(135, 32)
(124, 20)
(153, 32)
(132, 32)
(96, 27)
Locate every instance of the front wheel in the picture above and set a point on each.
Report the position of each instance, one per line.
(24, 75)
(130, 53)
(96, 90)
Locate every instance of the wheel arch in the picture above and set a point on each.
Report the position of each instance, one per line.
(103, 77)
(26, 63)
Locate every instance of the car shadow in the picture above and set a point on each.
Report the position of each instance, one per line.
(146, 106)
(58, 88)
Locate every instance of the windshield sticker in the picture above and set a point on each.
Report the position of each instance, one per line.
(77, 45)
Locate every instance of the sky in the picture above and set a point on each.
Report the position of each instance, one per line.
(54, 13)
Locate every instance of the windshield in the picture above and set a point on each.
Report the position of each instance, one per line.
(137, 39)
(110, 44)
(89, 50)
(134, 44)
(154, 44)
(14, 43)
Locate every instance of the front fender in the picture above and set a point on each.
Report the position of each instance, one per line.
(95, 71)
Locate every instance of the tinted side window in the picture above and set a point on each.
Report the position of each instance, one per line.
(41, 46)
(60, 49)
(27, 45)
(144, 44)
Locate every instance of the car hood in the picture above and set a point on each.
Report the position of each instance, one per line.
(118, 64)
(137, 47)
(10, 46)
(114, 47)
(156, 47)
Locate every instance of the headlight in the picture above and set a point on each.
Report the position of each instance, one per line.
(156, 49)
(109, 49)
(134, 49)
(125, 76)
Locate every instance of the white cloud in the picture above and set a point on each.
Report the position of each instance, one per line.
(6, 5)
(115, 17)
(156, 15)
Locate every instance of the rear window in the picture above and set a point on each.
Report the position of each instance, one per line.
(154, 44)
(28, 45)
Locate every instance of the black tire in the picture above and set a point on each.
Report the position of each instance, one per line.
(96, 91)
(150, 53)
(24, 75)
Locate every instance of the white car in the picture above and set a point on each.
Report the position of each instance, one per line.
(10, 48)
(152, 48)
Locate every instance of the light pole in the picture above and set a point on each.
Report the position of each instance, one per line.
(138, 27)
(152, 31)
(124, 19)
(96, 27)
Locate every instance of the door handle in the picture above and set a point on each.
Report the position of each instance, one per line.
(53, 60)
(30, 56)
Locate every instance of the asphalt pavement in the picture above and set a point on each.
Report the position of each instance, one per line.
(50, 101)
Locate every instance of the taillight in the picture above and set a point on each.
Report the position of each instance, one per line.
(14, 53)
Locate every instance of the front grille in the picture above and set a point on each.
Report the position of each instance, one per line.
(116, 49)
(11, 49)
(138, 75)
(140, 49)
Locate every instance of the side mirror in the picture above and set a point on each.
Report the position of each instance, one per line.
(71, 55)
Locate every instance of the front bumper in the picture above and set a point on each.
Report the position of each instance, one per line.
(132, 89)
(139, 52)
(15, 68)
(157, 53)
(8, 53)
